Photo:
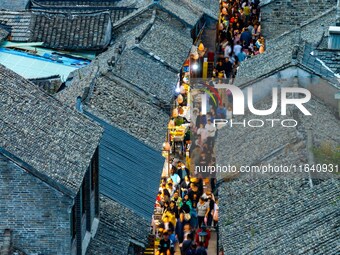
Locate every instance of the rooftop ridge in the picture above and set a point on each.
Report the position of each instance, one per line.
(39, 3)
(161, 7)
(156, 58)
(304, 24)
(132, 15)
(147, 28)
(67, 14)
(32, 117)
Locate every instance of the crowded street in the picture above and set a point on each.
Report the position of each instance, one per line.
(186, 208)
(169, 127)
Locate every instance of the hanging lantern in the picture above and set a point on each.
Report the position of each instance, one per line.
(201, 47)
(171, 124)
(224, 11)
(180, 110)
(195, 56)
(175, 113)
(225, 5)
(179, 99)
(166, 146)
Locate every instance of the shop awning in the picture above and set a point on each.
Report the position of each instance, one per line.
(129, 169)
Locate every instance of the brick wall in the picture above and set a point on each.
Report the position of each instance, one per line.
(284, 15)
(37, 214)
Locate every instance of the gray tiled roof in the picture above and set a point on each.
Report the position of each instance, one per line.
(93, 4)
(210, 7)
(174, 46)
(330, 57)
(74, 3)
(272, 60)
(311, 31)
(54, 140)
(146, 72)
(248, 145)
(256, 145)
(130, 27)
(183, 9)
(18, 23)
(265, 2)
(129, 110)
(190, 11)
(117, 9)
(72, 31)
(279, 216)
(116, 13)
(118, 225)
(120, 103)
(119, 14)
(15, 5)
(128, 106)
(322, 62)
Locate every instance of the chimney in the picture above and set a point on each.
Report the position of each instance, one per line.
(334, 31)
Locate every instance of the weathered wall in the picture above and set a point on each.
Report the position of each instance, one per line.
(37, 214)
(283, 15)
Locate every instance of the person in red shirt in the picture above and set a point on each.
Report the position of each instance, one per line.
(207, 237)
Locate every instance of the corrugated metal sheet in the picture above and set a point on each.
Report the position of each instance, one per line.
(130, 170)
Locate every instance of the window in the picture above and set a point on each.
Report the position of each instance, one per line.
(73, 222)
(83, 197)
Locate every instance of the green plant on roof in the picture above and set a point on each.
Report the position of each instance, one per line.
(252, 231)
(326, 153)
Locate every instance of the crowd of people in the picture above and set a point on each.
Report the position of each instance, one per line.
(239, 35)
(189, 211)
(187, 202)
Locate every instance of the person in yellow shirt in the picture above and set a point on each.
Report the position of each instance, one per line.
(246, 12)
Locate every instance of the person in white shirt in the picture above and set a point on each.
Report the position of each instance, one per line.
(227, 50)
(203, 132)
(237, 48)
(202, 211)
(210, 127)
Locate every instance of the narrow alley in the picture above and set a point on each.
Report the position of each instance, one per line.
(185, 218)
